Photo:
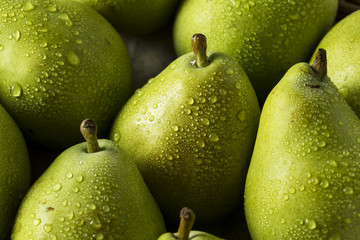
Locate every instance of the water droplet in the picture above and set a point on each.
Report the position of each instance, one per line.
(17, 35)
(333, 163)
(96, 223)
(200, 143)
(52, 8)
(205, 121)
(229, 71)
(310, 224)
(16, 90)
(37, 221)
(48, 227)
(70, 215)
(213, 137)
(1, 47)
(241, 115)
(69, 175)
(73, 58)
(92, 206)
(117, 137)
(190, 101)
(175, 128)
(213, 99)
(348, 190)
(27, 7)
(198, 161)
(56, 187)
(324, 184)
(294, 16)
(79, 178)
(322, 144)
(222, 92)
(106, 208)
(99, 236)
(64, 17)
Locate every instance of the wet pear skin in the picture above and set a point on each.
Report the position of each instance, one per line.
(303, 179)
(191, 132)
(62, 62)
(85, 195)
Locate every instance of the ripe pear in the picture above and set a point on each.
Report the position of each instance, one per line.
(187, 219)
(342, 43)
(190, 131)
(60, 62)
(303, 179)
(265, 36)
(15, 171)
(92, 190)
(135, 16)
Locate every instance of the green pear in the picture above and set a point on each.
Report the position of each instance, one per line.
(342, 43)
(265, 36)
(15, 171)
(190, 131)
(187, 219)
(135, 16)
(60, 62)
(303, 179)
(92, 190)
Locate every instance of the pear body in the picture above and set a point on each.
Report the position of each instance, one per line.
(135, 16)
(15, 171)
(60, 61)
(303, 178)
(342, 44)
(85, 195)
(266, 37)
(194, 235)
(190, 131)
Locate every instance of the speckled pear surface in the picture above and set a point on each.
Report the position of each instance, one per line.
(135, 16)
(265, 36)
(304, 175)
(15, 171)
(190, 131)
(60, 61)
(342, 43)
(85, 195)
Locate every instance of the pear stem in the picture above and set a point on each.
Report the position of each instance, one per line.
(88, 129)
(187, 219)
(199, 45)
(320, 63)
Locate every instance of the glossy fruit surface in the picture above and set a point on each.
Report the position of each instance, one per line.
(60, 62)
(266, 37)
(15, 171)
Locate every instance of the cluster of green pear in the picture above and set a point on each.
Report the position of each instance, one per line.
(255, 120)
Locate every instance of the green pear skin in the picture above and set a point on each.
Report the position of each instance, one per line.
(135, 16)
(190, 131)
(15, 171)
(342, 44)
(194, 235)
(60, 61)
(266, 37)
(85, 195)
(303, 179)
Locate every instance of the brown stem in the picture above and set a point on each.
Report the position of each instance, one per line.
(320, 63)
(187, 219)
(199, 45)
(88, 129)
